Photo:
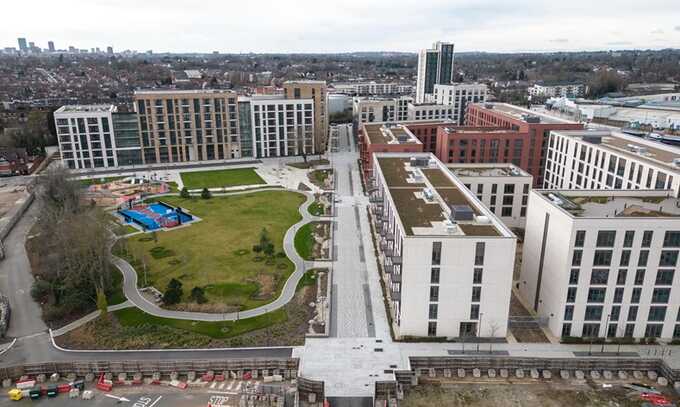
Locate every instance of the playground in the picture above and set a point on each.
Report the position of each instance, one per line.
(158, 215)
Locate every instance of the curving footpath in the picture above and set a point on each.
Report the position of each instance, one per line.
(137, 299)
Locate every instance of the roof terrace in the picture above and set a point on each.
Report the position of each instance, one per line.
(615, 204)
(379, 133)
(487, 170)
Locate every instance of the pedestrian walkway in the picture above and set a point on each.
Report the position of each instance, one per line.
(89, 317)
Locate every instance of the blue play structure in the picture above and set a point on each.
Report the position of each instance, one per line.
(155, 216)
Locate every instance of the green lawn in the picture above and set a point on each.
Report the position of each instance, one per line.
(304, 242)
(221, 178)
(134, 317)
(97, 181)
(216, 253)
(316, 209)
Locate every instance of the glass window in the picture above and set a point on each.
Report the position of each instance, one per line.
(647, 238)
(671, 239)
(576, 258)
(568, 312)
(669, 258)
(602, 258)
(632, 313)
(625, 258)
(436, 253)
(432, 313)
(476, 294)
(573, 276)
(596, 294)
(635, 295)
(618, 295)
(477, 277)
(661, 295)
(566, 329)
(571, 294)
(434, 293)
(615, 313)
(580, 238)
(653, 330)
(599, 276)
(432, 328)
(606, 238)
(591, 330)
(665, 277)
(474, 311)
(434, 275)
(621, 277)
(479, 253)
(628, 238)
(639, 277)
(642, 259)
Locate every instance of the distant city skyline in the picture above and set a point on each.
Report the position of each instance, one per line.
(268, 26)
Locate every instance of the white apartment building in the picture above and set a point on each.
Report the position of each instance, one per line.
(459, 95)
(281, 127)
(502, 187)
(370, 110)
(570, 90)
(603, 263)
(444, 254)
(590, 159)
(429, 111)
(372, 88)
(85, 135)
(435, 66)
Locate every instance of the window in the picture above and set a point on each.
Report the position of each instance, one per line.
(676, 332)
(642, 259)
(628, 238)
(591, 330)
(635, 296)
(647, 238)
(509, 189)
(599, 276)
(476, 294)
(580, 238)
(665, 277)
(632, 313)
(576, 258)
(657, 313)
(479, 253)
(630, 329)
(639, 277)
(474, 311)
(606, 238)
(434, 275)
(436, 253)
(615, 313)
(573, 276)
(506, 211)
(432, 314)
(566, 329)
(602, 258)
(477, 277)
(621, 277)
(661, 295)
(596, 294)
(432, 328)
(669, 258)
(671, 239)
(611, 331)
(434, 293)
(625, 258)
(568, 312)
(571, 294)
(618, 295)
(653, 330)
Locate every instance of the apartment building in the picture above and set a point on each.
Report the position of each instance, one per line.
(317, 92)
(444, 255)
(85, 136)
(602, 263)
(378, 110)
(469, 144)
(282, 127)
(503, 188)
(607, 159)
(535, 128)
(372, 88)
(459, 96)
(567, 90)
(188, 125)
(435, 66)
(429, 111)
(383, 138)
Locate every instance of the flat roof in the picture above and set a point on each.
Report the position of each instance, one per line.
(614, 203)
(487, 170)
(424, 195)
(520, 113)
(86, 109)
(142, 92)
(381, 133)
(630, 146)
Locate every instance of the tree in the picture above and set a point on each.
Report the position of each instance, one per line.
(198, 295)
(205, 194)
(265, 244)
(184, 193)
(173, 292)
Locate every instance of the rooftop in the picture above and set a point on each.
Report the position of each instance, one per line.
(615, 204)
(379, 133)
(630, 146)
(520, 113)
(430, 201)
(86, 109)
(150, 92)
(487, 170)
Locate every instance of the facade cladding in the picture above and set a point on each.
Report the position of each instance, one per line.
(282, 127)
(435, 67)
(180, 126)
(246, 127)
(445, 63)
(432, 65)
(85, 137)
(126, 135)
(317, 92)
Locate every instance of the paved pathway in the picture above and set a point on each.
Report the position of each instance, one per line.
(135, 297)
(89, 317)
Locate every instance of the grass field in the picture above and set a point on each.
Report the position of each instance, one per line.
(221, 178)
(304, 242)
(216, 253)
(316, 208)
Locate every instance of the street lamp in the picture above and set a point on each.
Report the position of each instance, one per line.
(606, 332)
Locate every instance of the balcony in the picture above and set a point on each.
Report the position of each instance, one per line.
(396, 295)
(383, 246)
(389, 269)
(395, 277)
(396, 260)
(375, 199)
(388, 252)
(389, 237)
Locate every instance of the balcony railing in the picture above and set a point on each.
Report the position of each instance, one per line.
(396, 295)
(395, 277)
(396, 260)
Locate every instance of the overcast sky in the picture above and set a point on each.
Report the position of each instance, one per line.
(343, 25)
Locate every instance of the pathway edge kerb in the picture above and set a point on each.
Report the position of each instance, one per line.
(54, 344)
(2, 352)
(133, 295)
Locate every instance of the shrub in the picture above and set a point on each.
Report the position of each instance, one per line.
(184, 193)
(198, 295)
(205, 194)
(173, 293)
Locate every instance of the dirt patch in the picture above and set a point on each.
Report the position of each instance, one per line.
(524, 333)
(267, 283)
(321, 233)
(211, 308)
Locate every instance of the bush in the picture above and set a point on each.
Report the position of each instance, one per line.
(198, 295)
(205, 194)
(173, 293)
(40, 290)
(184, 193)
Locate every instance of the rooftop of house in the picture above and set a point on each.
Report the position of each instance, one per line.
(487, 170)
(385, 133)
(633, 147)
(525, 115)
(86, 109)
(614, 204)
(431, 201)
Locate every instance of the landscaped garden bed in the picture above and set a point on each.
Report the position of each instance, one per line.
(322, 205)
(313, 241)
(223, 255)
(322, 178)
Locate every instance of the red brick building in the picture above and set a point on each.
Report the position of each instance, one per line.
(383, 138)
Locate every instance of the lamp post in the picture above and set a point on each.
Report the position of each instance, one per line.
(606, 332)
